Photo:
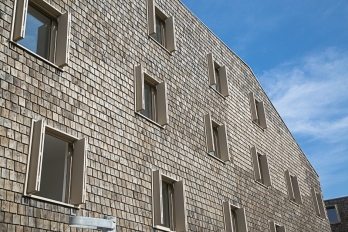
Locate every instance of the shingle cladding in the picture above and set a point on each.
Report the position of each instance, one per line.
(94, 98)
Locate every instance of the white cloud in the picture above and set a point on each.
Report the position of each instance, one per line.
(312, 95)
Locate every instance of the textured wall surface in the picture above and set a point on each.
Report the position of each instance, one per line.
(94, 98)
(342, 207)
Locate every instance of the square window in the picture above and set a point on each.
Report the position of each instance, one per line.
(257, 111)
(56, 167)
(151, 97)
(43, 30)
(217, 76)
(216, 138)
(169, 206)
(332, 213)
(261, 168)
(161, 27)
(235, 219)
(293, 187)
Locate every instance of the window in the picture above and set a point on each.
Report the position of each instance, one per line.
(235, 219)
(217, 76)
(161, 27)
(169, 206)
(257, 111)
(318, 203)
(151, 97)
(261, 169)
(56, 165)
(275, 227)
(42, 29)
(293, 187)
(216, 138)
(332, 213)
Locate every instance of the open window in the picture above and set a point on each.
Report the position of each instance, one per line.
(293, 187)
(151, 97)
(258, 114)
(217, 76)
(42, 29)
(235, 219)
(261, 168)
(56, 165)
(332, 213)
(318, 203)
(276, 227)
(169, 206)
(216, 138)
(161, 27)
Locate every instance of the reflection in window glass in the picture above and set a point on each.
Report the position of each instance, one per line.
(149, 99)
(332, 214)
(159, 35)
(216, 141)
(37, 32)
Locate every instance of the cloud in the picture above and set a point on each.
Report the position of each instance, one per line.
(311, 94)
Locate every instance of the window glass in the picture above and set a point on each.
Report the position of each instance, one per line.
(332, 214)
(234, 221)
(37, 32)
(217, 78)
(159, 35)
(148, 91)
(54, 169)
(260, 166)
(216, 141)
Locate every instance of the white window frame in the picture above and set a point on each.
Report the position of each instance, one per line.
(274, 227)
(161, 107)
(60, 56)
(336, 209)
(261, 167)
(223, 140)
(34, 164)
(223, 76)
(180, 215)
(169, 33)
(257, 108)
(241, 217)
(318, 203)
(293, 186)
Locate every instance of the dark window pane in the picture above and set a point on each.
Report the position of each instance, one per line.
(159, 35)
(234, 221)
(54, 165)
(217, 77)
(260, 166)
(37, 32)
(332, 214)
(216, 141)
(166, 206)
(148, 112)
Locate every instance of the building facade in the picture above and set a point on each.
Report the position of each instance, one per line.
(337, 211)
(135, 109)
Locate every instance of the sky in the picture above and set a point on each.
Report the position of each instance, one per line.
(298, 50)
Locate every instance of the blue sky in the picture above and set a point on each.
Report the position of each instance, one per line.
(298, 50)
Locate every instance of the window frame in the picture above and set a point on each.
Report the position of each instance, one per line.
(240, 217)
(257, 109)
(179, 218)
(275, 227)
(169, 28)
(60, 56)
(337, 213)
(261, 167)
(217, 83)
(222, 151)
(77, 170)
(159, 97)
(293, 187)
(318, 203)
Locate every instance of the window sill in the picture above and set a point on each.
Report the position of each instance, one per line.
(294, 202)
(217, 92)
(36, 55)
(216, 158)
(332, 223)
(162, 228)
(263, 129)
(52, 201)
(263, 185)
(153, 122)
(160, 45)
(325, 219)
